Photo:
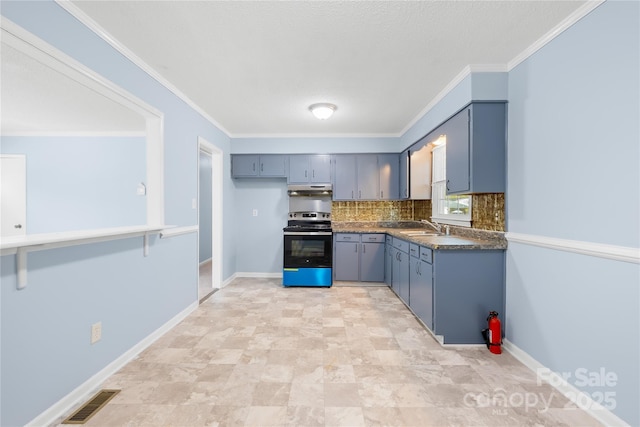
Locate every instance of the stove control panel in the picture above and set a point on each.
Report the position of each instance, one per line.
(311, 216)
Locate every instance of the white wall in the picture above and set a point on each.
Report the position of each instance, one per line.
(573, 173)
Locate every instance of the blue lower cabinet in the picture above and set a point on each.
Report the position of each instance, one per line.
(467, 285)
(359, 257)
(421, 290)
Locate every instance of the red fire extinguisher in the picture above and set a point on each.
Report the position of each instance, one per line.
(493, 334)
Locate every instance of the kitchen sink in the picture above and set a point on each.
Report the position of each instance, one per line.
(420, 233)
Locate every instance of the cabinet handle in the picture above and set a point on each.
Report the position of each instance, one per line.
(447, 185)
(356, 246)
(381, 194)
(313, 173)
(352, 194)
(359, 194)
(254, 166)
(364, 249)
(305, 174)
(261, 167)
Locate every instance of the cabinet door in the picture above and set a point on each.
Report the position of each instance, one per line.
(395, 271)
(298, 169)
(372, 262)
(457, 132)
(320, 169)
(368, 177)
(404, 174)
(345, 261)
(388, 263)
(421, 285)
(414, 278)
(345, 177)
(402, 275)
(244, 165)
(273, 165)
(388, 168)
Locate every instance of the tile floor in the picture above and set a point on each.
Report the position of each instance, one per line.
(258, 354)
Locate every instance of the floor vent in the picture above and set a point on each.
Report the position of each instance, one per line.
(90, 408)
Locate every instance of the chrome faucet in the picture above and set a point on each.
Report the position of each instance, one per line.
(433, 224)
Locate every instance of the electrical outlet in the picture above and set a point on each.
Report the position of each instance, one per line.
(255, 212)
(96, 332)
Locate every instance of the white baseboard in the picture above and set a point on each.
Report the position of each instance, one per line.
(255, 275)
(260, 275)
(205, 262)
(89, 387)
(592, 407)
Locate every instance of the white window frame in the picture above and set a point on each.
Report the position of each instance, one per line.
(439, 192)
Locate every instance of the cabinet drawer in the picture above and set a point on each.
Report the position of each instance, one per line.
(342, 237)
(414, 250)
(426, 254)
(372, 238)
(402, 245)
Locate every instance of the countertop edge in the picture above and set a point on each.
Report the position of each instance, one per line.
(466, 243)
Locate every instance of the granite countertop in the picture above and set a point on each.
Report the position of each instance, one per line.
(460, 237)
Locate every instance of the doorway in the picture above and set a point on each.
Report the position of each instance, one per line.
(209, 218)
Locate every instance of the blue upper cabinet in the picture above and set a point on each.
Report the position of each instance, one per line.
(258, 165)
(365, 177)
(389, 165)
(244, 165)
(404, 174)
(304, 169)
(345, 175)
(273, 165)
(368, 177)
(476, 149)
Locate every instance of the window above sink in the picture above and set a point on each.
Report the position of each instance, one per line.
(453, 209)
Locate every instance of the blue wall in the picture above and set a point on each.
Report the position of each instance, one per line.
(45, 328)
(573, 156)
(315, 145)
(260, 247)
(78, 183)
(573, 142)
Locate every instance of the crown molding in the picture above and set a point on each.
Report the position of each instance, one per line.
(577, 15)
(314, 135)
(77, 13)
(466, 71)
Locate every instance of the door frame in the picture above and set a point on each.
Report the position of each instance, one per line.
(216, 208)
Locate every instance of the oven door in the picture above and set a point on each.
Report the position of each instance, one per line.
(308, 258)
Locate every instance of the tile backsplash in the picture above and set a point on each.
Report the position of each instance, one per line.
(488, 211)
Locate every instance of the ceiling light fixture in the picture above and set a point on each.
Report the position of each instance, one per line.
(323, 110)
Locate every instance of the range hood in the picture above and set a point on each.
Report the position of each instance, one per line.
(310, 190)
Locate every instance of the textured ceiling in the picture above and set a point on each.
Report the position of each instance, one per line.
(255, 67)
